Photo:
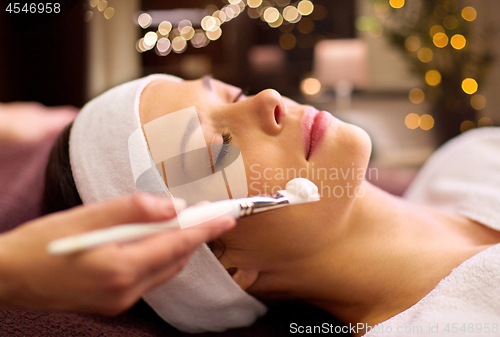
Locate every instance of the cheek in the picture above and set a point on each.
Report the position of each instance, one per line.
(341, 170)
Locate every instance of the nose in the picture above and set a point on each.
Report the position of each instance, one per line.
(269, 110)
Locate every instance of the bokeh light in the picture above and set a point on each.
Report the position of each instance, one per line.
(164, 27)
(426, 122)
(375, 29)
(287, 41)
(425, 55)
(164, 46)
(478, 102)
(290, 13)
(469, 13)
(305, 7)
(432, 77)
(179, 44)
(209, 23)
(276, 23)
(416, 96)
(484, 121)
(436, 29)
(467, 125)
(305, 26)
(310, 86)
(458, 41)
(469, 86)
(381, 8)
(109, 12)
(214, 35)
(101, 5)
(188, 33)
(320, 12)
(144, 20)
(412, 121)
(450, 22)
(254, 3)
(397, 3)
(271, 14)
(185, 26)
(150, 39)
(412, 43)
(87, 16)
(199, 39)
(221, 16)
(440, 40)
(440, 12)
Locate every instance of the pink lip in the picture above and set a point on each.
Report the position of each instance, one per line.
(314, 126)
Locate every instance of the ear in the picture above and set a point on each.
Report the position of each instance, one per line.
(244, 277)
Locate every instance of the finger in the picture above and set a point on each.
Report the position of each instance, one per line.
(131, 209)
(165, 249)
(163, 275)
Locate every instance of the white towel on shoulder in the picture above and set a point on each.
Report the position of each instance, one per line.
(462, 177)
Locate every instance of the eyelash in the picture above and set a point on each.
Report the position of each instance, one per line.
(226, 137)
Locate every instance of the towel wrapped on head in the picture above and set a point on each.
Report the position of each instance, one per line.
(203, 296)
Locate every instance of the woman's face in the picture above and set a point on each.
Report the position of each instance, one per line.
(273, 134)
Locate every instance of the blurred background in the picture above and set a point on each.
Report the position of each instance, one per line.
(412, 74)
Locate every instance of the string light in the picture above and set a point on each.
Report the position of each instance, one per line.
(416, 96)
(290, 13)
(458, 41)
(288, 41)
(433, 77)
(467, 125)
(145, 20)
(478, 102)
(101, 6)
(412, 121)
(484, 121)
(397, 3)
(276, 13)
(436, 29)
(450, 22)
(305, 7)
(271, 14)
(413, 43)
(440, 40)
(469, 86)
(425, 55)
(165, 27)
(426, 122)
(469, 13)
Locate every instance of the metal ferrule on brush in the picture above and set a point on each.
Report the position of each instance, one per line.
(254, 205)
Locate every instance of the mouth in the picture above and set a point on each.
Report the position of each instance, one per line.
(314, 126)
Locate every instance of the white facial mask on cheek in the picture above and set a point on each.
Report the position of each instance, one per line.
(181, 157)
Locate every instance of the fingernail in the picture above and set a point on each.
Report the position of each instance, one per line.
(179, 204)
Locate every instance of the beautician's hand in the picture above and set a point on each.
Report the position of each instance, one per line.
(106, 280)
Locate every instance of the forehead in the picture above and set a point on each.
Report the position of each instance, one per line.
(162, 97)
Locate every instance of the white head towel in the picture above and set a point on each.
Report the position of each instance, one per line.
(203, 297)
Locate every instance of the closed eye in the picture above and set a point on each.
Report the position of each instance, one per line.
(242, 93)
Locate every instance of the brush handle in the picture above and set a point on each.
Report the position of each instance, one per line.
(121, 233)
(124, 233)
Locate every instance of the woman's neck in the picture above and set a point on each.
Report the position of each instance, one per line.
(393, 253)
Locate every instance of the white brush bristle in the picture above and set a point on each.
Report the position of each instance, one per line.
(301, 190)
